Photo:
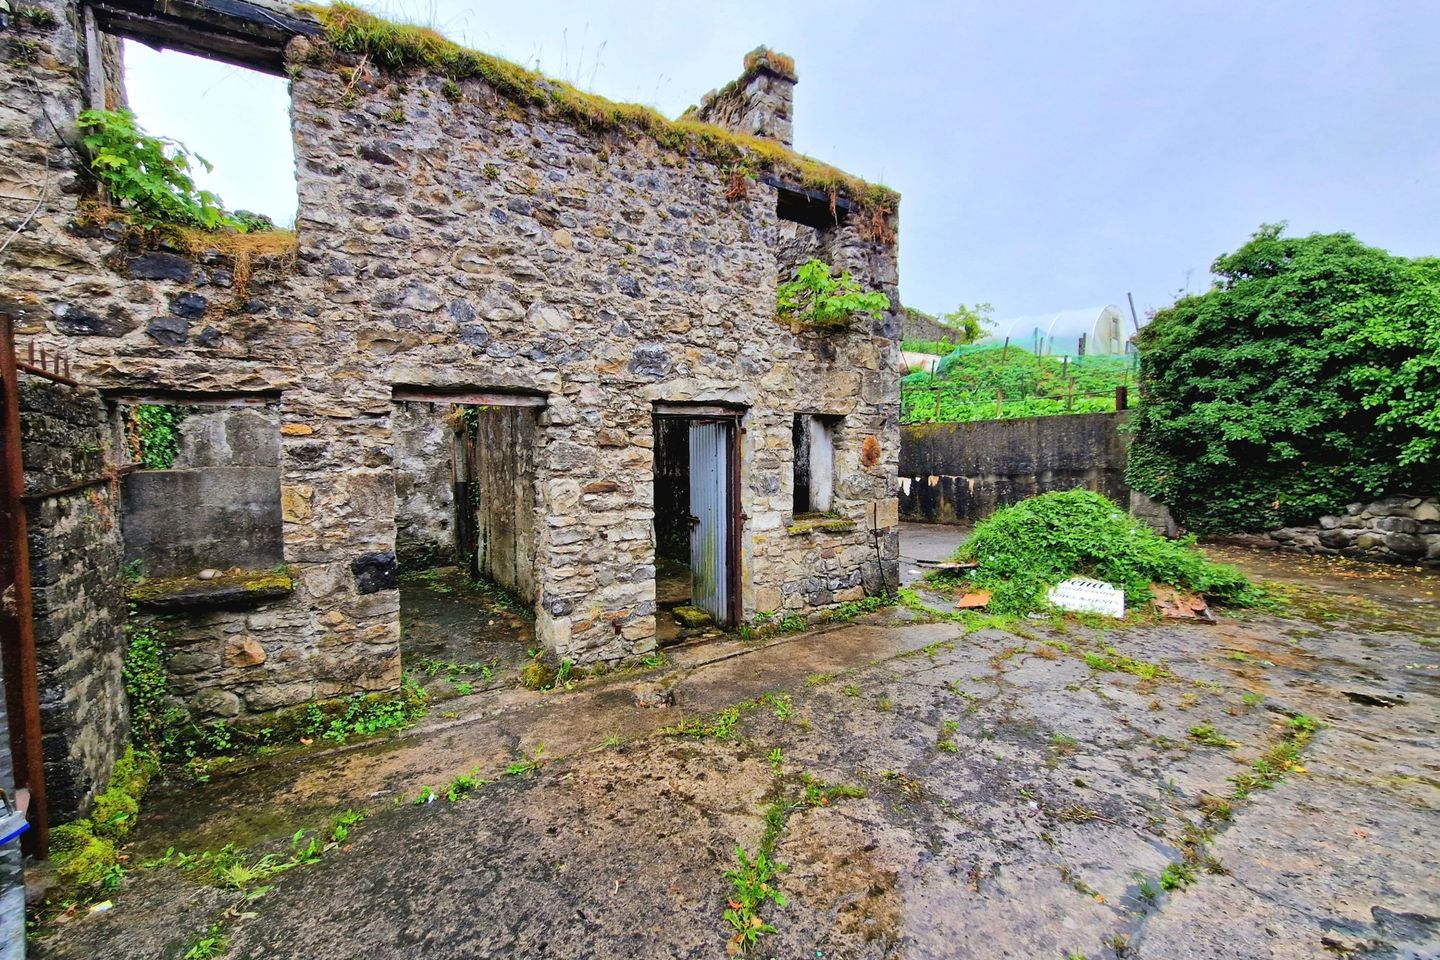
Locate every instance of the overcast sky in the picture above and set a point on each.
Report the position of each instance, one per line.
(1050, 154)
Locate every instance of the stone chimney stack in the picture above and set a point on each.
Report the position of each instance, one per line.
(759, 102)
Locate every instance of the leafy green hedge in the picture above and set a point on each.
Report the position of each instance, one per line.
(1307, 378)
(1025, 549)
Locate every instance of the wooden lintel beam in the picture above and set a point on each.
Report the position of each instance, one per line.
(168, 35)
(230, 31)
(815, 196)
(481, 398)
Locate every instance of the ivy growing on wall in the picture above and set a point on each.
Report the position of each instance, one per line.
(818, 298)
(153, 432)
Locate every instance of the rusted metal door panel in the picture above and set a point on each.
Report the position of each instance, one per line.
(17, 629)
(710, 517)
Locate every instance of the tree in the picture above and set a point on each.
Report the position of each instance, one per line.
(969, 322)
(1308, 377)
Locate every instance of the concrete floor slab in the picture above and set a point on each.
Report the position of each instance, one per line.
(1019, 801)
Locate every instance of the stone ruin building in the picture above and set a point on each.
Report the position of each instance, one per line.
(509, 333)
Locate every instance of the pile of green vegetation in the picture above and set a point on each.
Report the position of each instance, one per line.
(1025, 549)
(1307, 378)
(970, 381)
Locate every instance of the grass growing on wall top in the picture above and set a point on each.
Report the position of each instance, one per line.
(399, 46)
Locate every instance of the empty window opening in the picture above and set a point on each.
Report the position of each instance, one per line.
(810, 207)
(236, 118)
(201, 499)
(696, 524)
(465, 521)
(814, 441)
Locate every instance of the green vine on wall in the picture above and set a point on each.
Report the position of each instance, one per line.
(153, 432)
(818, 298)
(153, 714)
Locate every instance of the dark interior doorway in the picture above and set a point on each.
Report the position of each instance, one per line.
(696, 520)
(466, 514)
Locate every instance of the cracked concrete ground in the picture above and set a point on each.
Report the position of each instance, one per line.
(1018, 802)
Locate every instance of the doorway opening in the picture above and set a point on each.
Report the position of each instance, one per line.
(697, 521)
(465, 520)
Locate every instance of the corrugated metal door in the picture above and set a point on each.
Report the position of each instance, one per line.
(710, 517)
(822, 465)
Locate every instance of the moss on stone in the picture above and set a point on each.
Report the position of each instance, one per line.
(84, 851)
(114, 811)
(251, 580)
(811, 524)
(397, 46)
(538, 674)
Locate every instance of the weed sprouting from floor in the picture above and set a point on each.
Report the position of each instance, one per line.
(754, 879)
(1062, 743)
(427, 795)
(465, 784)
(233, 869)
(457, 672)
(819, 679)
(343, 823)
(753, 884)
(1176, 876)
(946, 739)
(1206, 734)
(208, 945)
(1279, 759)
(525, 764)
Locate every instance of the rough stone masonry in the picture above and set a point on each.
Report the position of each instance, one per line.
(453, 240)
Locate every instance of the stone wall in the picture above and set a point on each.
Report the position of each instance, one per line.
(918, 326)
(1396, 529)
(424, 485)
(79, 595)
(964, 472)
(218, 507)
(760, 103)
(452, 240)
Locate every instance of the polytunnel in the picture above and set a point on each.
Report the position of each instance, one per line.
(1104, 330)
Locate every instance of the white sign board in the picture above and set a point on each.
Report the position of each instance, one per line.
(1080, 595)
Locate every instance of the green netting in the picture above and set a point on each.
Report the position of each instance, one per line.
(985, 381)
